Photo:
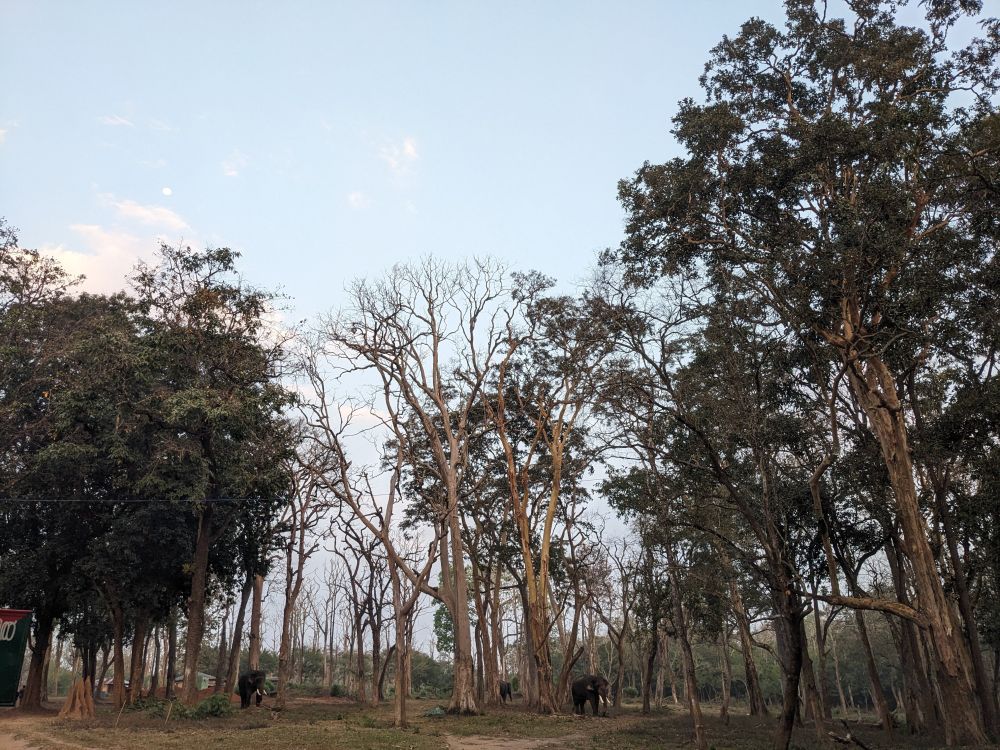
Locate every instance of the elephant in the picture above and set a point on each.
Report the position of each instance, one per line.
(250, 683)
(505, 694)
(590, 687)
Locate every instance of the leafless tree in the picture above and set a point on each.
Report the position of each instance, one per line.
(428, 333)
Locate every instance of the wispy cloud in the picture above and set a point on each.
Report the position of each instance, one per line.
(357, 200)
(237, 161)
(400, 156)
(160, 126)
(115, 120)
(3, 135)
(150, 215)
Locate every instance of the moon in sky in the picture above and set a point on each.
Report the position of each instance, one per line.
(167, 191)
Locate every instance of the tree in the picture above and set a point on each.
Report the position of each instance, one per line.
(429, 332)
(218, 402)
(838, 176)
(550, 386)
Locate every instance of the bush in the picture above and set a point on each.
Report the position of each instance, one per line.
(217, 705)
(630, 693)
(337, 690)
(151, 706)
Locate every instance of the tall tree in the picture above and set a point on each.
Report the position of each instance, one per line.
(429, 332)
(839, 174)
(218, 400)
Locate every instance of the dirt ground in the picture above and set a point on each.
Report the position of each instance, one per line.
(315, 723)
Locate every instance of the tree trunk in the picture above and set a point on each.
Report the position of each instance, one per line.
(105, 664)
(135, 662)
(170, 673)
(875, 389)
(690, 676)
(982, 680)
(118, 638)
(647, 677)
(789, 631)
(154, 676)
(727, 674)
(836, 674)
(820, 660)
(919, 701)
(45, 671)
(196, 606)
(59, 651)
(233, 670)
(222, 658)
(755, 696)
(808, 685)
(878, 697)
(256, 612)
(44, 625)
(402, 651)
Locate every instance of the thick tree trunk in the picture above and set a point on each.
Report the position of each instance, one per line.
(789, 632)
(45, 671)
(196, 605)
(42, 632)
(136, 658)
(919, 701)
(647, 675)
(982, 680)
(875, 389)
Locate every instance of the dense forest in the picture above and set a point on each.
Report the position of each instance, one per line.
(754, 465)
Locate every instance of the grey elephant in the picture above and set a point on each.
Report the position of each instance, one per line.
(593, 688)
(250, 683)
(505, 694)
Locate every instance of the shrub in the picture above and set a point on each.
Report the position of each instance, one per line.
(337, 690)
(216, 705)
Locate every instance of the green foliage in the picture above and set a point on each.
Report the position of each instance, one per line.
(215, 705)
(444, 629)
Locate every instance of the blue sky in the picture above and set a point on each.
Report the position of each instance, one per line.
(329, 140)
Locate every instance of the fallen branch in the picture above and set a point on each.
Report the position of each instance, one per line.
(877, 605)
(848, 739)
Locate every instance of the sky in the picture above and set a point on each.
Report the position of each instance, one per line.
(329, 140)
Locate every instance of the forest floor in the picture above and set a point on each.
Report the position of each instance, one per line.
(314, 723)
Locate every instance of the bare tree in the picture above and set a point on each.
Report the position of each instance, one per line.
(428, 333)
(307, 506)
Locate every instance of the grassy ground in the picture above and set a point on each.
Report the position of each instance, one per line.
(336, 723)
